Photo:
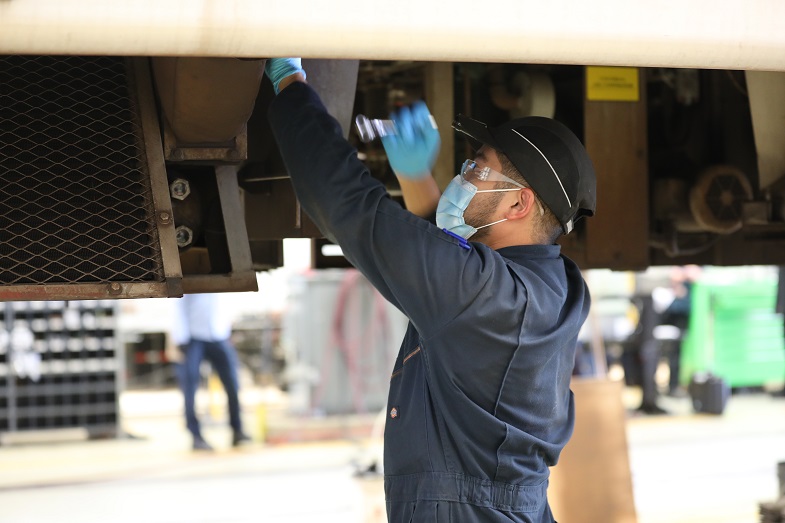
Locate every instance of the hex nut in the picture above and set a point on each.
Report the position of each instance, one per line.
(179, 189)
(184, 236)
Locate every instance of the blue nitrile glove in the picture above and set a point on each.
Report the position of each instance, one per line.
(279, 68)
(412, 151)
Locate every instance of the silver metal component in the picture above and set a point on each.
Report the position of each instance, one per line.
(165, 217)
(369, 129)
(179, 189)
(184, 235)
(115, 288)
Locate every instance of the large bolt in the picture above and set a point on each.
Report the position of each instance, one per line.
(179, 189)
(184, 236)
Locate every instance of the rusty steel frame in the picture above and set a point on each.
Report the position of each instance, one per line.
(242, 277)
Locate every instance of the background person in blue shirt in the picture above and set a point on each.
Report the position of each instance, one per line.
(202, 331)
(480, 404)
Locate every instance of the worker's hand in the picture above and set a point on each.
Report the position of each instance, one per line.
(412, 151)
(279, 68)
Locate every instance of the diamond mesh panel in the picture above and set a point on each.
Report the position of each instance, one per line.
(75, 199)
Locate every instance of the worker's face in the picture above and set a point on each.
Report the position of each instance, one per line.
(484, 208)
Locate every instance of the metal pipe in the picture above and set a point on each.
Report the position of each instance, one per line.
(702, 33)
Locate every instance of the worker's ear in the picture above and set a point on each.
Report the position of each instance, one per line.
(522, 206)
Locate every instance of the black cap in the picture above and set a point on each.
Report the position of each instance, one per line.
(549, 156)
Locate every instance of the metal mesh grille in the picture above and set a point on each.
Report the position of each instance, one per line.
(75, 198)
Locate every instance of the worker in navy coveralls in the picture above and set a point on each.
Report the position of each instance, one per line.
(480, 403)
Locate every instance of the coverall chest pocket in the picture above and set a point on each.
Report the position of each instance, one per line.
(406, 428)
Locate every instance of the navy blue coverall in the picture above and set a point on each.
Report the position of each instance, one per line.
(479, 404)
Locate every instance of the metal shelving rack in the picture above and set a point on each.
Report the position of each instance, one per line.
(59, 367)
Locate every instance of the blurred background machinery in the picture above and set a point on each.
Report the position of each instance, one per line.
(342, 337)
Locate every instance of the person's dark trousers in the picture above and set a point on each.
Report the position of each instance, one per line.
(222, 357)
(673, 347)
(650, 357)
(674, 364)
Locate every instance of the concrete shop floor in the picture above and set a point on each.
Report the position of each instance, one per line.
(685, 467)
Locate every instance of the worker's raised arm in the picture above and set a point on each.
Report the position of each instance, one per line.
(412, 151)
(420, 196)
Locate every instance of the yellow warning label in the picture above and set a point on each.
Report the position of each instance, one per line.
(614, 84)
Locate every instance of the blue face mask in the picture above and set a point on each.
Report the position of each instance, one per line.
(453, 203)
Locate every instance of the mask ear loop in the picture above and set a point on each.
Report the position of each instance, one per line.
(492, 223)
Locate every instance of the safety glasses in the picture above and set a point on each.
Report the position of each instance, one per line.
(471, 173)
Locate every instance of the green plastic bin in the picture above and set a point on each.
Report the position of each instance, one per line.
(735, 333)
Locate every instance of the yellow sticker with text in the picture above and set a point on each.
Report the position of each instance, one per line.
(612, 84)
